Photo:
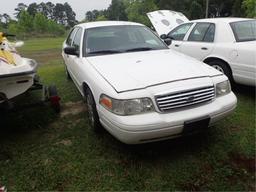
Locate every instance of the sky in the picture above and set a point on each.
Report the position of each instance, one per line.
(79, 6)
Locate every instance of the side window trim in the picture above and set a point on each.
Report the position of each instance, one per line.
(208, 28)
(77, 29)
(84, 43)
(184, 38)
(189, 32)
(214, 26)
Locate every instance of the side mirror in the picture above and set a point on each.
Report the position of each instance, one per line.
(166, 39)
(163, 36)
(71, 51)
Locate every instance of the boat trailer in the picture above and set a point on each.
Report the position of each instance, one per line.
(49, 94)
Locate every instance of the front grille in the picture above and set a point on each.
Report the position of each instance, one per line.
(185, 98)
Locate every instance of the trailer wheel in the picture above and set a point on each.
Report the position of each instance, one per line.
(54, 98)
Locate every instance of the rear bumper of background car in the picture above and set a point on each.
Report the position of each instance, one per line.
(155, 126)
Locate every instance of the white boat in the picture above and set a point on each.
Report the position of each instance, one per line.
(16, 73)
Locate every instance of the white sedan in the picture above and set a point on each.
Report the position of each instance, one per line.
(227, 44)
(139, 89)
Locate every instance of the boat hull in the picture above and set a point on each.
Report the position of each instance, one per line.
(14, 84)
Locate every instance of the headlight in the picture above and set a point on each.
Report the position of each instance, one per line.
(127, 107)
(223, 88)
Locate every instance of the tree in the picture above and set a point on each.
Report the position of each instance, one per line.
(137, 10)
(13, 28)
(71, 15)
(89, 16)
(50, 10)
(196, 10)
(40, 23)
(20, 8)
(25, 22)
(237, 9)
(59, 14)
(32, 9)
(63, 14)
(116, 11)
(250, 8)
(101, 18)
(54, 28)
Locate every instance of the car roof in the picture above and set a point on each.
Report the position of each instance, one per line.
(105, 24)
(222, 20)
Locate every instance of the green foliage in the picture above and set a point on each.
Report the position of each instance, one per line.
(54, 28)
(196, 10)
(40, 23)
(237, 9)
(20, 8)
(101, 18)
(13, 28)
(116, 11)
(25, 22)
(137, 10)
(250, 8)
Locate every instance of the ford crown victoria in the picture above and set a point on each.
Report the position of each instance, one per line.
(139, 89)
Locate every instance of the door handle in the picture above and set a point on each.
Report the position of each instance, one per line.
(204, 48)
(176, 45)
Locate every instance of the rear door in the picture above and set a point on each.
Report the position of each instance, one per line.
(200, 41)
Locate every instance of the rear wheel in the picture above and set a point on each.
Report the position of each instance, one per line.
(222, 67)
(92, 114)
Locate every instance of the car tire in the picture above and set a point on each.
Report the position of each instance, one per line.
(222, 67)
(67, 73)
(92, 114)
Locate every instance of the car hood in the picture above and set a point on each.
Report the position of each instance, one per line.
(165, 20)
(132, 71)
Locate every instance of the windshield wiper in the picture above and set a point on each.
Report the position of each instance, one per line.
(105, 52)
(140, 49)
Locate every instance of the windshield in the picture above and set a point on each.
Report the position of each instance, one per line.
(120, 39)
(244, 30)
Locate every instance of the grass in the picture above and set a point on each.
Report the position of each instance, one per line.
(41, 151)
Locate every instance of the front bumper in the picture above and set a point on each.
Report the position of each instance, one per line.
(156, 126)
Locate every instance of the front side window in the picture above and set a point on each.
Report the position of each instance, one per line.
(202, 32)
(71, 37)
(120, 39)
(244, 30)
(77, 40)
(179, 33)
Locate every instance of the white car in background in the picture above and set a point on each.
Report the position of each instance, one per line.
(139, 89)
(227, 44)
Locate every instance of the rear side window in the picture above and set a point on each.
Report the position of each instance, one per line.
(179, 33)
(71, 36)
(244, 30)
(203, 32)
(77, 40)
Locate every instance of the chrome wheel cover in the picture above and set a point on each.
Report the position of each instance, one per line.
(218, 68)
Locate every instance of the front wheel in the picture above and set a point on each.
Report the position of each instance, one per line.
(222, 67)
(92, 114)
